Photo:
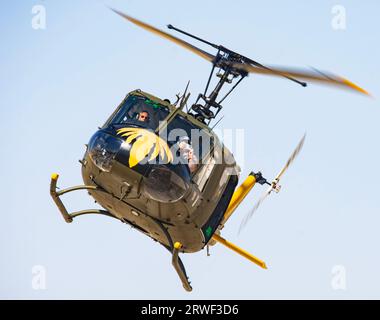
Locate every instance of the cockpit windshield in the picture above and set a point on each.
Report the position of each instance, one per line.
(140, 111)
(189, 143)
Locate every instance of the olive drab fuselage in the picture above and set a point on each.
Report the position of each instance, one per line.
(190, 220)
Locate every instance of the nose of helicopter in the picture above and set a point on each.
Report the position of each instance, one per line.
(163, 181)
(103, 148)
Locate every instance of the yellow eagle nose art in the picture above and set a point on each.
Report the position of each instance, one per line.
(145, 142)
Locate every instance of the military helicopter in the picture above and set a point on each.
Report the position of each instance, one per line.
(161, 169)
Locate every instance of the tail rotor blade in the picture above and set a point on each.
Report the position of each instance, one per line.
(274, 186)
(291, 158)
(257, 205)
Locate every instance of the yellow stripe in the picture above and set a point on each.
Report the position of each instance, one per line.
(354, 86)
(239, 195)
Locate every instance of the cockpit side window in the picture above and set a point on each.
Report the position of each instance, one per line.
(190, 143)
(140, 111)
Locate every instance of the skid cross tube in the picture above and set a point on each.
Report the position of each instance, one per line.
(70, 216)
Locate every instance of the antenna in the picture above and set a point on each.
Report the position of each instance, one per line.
(217, 123)
(185, 97)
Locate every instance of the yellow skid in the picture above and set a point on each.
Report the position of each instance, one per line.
(240, 251)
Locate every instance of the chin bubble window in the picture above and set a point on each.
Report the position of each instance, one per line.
(102, 150)
(164, 185)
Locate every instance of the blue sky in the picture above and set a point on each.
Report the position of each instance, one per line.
(59, 84)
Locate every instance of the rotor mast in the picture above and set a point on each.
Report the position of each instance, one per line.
(202, 108)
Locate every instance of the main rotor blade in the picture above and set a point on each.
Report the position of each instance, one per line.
(291, 158)
(303, 74)
(184, 44)
(257, 205)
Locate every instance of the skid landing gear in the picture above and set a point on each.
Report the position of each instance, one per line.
(70, 216)
(179, 267)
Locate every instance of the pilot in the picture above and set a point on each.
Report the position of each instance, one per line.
(187, 152)
(143, 116)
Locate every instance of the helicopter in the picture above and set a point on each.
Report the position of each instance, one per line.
(160, 168)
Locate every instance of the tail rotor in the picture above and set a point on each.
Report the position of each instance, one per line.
(274, 185)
